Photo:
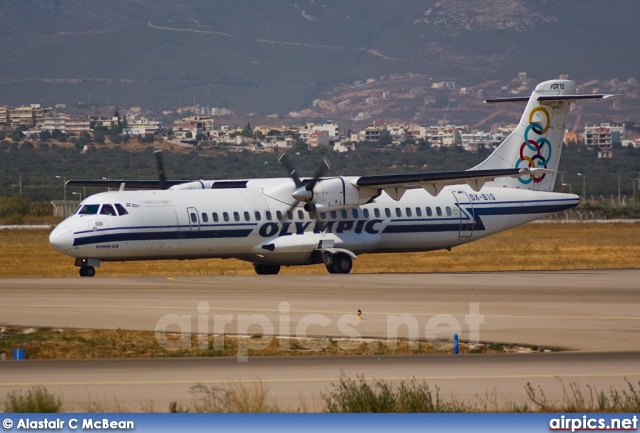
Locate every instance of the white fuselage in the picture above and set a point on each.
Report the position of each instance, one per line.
(251, 224)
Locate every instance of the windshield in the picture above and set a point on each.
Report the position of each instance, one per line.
(89, 209)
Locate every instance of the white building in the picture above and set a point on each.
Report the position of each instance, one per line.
(603, 135)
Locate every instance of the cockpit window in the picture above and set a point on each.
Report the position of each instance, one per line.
(89, 209)
(107, 209)
(121, 209)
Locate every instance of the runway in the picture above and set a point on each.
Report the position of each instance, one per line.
(593, 311)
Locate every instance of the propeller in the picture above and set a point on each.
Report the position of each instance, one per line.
(304, 192)
(162, 178)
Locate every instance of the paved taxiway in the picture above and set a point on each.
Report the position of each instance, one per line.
(141, 384)
(595, 311)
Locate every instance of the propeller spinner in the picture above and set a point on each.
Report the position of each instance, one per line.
(304, 192)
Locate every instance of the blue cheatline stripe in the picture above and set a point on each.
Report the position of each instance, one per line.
(421, 228)
(158, 236)
(167, 227)
(478, 225)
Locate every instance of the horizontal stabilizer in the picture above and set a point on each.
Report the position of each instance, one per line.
(551, 98)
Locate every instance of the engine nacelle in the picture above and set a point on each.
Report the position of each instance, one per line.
(338, 193)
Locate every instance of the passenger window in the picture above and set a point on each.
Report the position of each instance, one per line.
(247, 216)
(289, 215)
(334, 215)
(258, 216)
(408, 211)
(323, 215)
(365, 213)
(418, 212)
(343, 214)
(387, 212)
(225, 216)
(439, 211)
(354, 212)
(268, 215)
(448, 211)
(300, 215)
(194, 217)
(121, 209)
(107, 209)
(398, 212)
(205, 218)
(279, 215)
(236, 216)
(215, 217)
(429, 213)
(312, 216)
(376, 212)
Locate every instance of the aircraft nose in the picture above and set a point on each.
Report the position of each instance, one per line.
(61, 238)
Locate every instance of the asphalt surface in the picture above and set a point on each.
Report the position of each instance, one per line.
(595, 312)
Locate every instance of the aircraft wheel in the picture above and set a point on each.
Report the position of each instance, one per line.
(272, 269)
(342, 263)
(331, 269)
(87, 271)
(266, 269)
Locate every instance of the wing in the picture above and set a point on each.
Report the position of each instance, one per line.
(128, 184)
(396, 184)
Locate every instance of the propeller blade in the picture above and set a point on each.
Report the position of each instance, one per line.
(320, 171)
(293, 174)
(162, 178)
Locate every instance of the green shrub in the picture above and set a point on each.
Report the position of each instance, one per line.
(358, 396)
(36, 400)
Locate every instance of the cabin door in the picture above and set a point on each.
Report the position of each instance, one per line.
(467, 217)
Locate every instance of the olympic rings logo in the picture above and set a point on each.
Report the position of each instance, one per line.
(535, 153)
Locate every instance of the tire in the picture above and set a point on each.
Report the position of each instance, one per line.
(87, 271)
(271, 269)
(342, 263)
(266, 269)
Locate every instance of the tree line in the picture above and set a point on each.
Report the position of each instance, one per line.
(38, 172)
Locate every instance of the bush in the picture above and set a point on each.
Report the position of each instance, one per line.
(14, 205)
(358, 396)
(36, 400)
(41, 209)
(234, 398)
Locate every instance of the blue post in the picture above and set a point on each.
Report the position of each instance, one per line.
(455, 343)
(18, 354)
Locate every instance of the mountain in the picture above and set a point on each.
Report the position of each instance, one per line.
(278, 56)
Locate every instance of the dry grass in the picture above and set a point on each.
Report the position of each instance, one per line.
(47, 343)
(27, 253)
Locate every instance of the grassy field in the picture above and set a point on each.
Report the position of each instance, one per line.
(27, 253)
(48, 343)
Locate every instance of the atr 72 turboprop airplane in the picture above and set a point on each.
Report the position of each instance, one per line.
(331, 220)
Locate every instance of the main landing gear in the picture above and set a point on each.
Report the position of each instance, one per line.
(338, 263)
(266, 269)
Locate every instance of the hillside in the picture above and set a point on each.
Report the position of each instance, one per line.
(278, 56)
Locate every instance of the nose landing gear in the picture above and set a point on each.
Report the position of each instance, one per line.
(87, 271)
(87, 266)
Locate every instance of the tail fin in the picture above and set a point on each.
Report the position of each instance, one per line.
(537, 140)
